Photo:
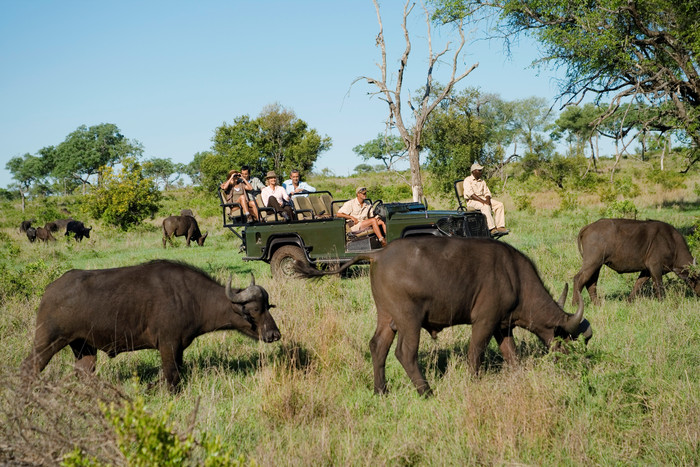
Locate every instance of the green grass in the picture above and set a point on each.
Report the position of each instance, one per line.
(631, 397)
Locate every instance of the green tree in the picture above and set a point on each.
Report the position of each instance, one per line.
(26, 170)
(388, 149)
(621, 49)
(162, 169)
(194, 168)
(531, 116)
(455, 137)
(275, 140)
(86, 150)
(126, 198)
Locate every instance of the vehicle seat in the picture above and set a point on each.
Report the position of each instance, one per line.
(231, 211)
(267, 214)
(320, 209)
(302, 208)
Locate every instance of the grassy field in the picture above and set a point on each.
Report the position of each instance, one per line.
(631, 397)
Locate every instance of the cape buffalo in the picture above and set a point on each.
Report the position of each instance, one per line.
(60, 224)
(44, 234)
(78, 229)
(25, 225)
(438, 282)
(31, 234)
(160, 305)
(652, 247)
(182, 225)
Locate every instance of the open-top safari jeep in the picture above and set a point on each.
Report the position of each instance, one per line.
(316, 235)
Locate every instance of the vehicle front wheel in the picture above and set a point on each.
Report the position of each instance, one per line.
(282, 262)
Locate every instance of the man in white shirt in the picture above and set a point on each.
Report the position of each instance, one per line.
(295, 185)
(357, 211)
(478, 197)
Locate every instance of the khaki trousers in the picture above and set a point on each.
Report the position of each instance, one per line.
(493, 220)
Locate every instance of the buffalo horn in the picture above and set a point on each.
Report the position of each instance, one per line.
(245, 295)
(562, 298)
(571, 324)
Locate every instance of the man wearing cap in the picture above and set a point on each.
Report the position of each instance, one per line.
(478, 197)
(356, 210)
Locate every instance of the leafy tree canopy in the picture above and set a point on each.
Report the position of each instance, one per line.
(85, 150)
(388, 149)
(623, 49)
(162, 169)
(275, 140)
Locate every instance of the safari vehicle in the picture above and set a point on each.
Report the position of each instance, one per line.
(316, 235)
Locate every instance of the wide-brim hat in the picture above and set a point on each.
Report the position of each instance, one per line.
(476, 166)
(271, 174)
(360, 188)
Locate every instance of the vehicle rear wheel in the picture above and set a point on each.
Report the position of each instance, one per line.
(282, 262)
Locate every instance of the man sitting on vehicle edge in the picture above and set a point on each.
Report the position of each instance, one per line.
(356, 211)
(478, 197)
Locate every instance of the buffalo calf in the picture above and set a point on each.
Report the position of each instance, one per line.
(44, 234)
(182, 225)
(652, 248)
(160, 305)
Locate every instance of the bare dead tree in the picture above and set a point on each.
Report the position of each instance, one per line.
(412, 135)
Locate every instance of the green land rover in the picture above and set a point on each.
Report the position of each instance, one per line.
(316, 235)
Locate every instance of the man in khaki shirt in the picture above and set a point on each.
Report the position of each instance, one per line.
(357, 211)
(478, 197)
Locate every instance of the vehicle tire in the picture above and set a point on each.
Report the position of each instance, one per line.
(282, 262)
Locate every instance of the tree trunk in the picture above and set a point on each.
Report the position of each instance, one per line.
(416, 182)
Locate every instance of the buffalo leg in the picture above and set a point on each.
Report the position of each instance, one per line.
(586, 277)
(85, 355)
(481, 335)
(641, 280)
(171, 360)
(41, 354)
(379, 347)
(504, 337)
(407, 354)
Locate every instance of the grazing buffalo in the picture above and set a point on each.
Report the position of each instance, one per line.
(438, 282)
(182, 225)
(25, 225)
(159, 305)
(44, 234)
(78, 229)
(31, 234)
(625, 245)
(59, 224)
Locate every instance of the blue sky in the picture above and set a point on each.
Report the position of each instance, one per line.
(168, 73)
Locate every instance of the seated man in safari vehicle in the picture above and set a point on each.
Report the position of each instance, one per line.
(356, 211)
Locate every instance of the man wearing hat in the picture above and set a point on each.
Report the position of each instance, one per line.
(275, 197)
(356, 211)
(479, 198)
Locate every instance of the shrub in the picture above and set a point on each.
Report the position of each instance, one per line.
(625, 208)
(667, 179)
(124, 199)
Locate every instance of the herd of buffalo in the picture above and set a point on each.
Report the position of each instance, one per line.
(417, 283)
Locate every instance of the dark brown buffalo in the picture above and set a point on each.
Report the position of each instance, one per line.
(186, 212)
(58, 224)
(652, 248)
(159, 305)
(78, 229)
(182, 225)
(44, 234)
(438, 282)
(31, 234)
(25, 225)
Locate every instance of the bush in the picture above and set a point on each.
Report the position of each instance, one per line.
(124, 199)
(667, 179)
(623, 208)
